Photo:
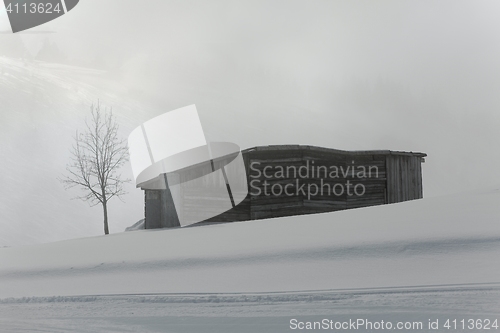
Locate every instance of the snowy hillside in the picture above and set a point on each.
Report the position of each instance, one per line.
(415, 262)
(438, 241)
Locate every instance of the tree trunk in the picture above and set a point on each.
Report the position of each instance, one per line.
(105, 208)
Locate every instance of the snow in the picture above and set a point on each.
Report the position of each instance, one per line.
(242, 313)
(139, 225)
(409, 260)
(442, 240)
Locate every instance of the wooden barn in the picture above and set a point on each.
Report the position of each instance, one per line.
(286, 180)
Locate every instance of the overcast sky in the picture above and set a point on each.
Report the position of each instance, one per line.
(400, 75)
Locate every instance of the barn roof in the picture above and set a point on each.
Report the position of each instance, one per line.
(336, 151)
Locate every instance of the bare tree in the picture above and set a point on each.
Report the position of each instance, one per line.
(96, 157)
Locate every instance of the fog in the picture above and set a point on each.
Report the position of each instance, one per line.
(355, 75)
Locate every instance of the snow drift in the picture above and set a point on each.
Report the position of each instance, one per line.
(437, 241)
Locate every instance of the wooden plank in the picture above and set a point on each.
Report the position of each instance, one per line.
(399, 179)
(390, 180)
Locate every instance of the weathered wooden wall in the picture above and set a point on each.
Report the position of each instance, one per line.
(399, 179)
(404, 181)
(159, 210)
